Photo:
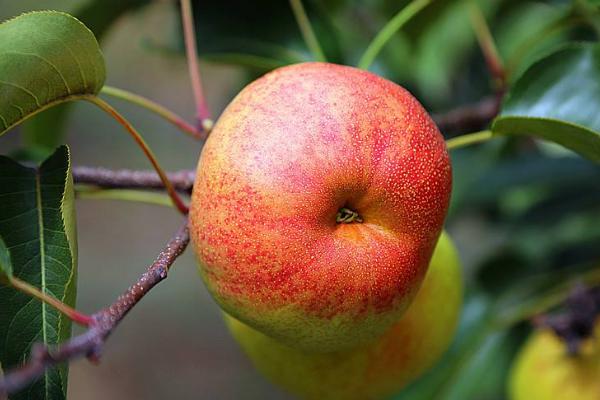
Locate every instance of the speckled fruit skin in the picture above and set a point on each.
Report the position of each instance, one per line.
(378, 369)
(291, 149)
(544, 371)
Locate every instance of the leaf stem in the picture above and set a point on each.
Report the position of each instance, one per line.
(469, 139)
(189, 36)
(140, 196)
(154, 107)
(487, 45)
(71, 313)
(551, 298)
(308, 34)
(145, 148)
(386, 33)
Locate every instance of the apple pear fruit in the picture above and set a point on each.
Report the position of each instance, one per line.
(544, 370)
(318, 199)
(380, 368)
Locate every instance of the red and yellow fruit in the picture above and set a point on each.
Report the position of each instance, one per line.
(378, 369)
(319, 197)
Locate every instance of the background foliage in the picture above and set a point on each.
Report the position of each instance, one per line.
(524, 213)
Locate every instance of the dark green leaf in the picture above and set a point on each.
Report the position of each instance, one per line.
(45, 58)
(557, 99)
(37, 223)
(5, 264)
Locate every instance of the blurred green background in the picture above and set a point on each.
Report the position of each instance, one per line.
(525, 215)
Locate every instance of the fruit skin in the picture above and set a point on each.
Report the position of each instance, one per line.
(377, 369)
(291, 149)
(544, 371)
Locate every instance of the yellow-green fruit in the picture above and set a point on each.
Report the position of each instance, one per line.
(382, 367)
(544, 371)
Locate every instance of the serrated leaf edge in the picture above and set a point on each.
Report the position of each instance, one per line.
(71, 235)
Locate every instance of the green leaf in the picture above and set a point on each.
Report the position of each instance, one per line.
(5, 264)
(46, 58)
(46, 130)
(37, 223)
(557, 99)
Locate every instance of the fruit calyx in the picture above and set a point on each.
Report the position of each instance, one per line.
(347, 216)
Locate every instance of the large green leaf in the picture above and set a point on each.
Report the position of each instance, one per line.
(37, 223)
(558, 99)
(45, 58)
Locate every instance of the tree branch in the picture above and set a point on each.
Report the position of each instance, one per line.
(182, 180)
(89, 344)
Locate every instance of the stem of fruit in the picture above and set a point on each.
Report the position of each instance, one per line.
(189, 36)
(386, 33)
(488, 46)
(308, 34)
(32, 291)
(347, 216)
(149, 154)
(469, 139)
(154, 107)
